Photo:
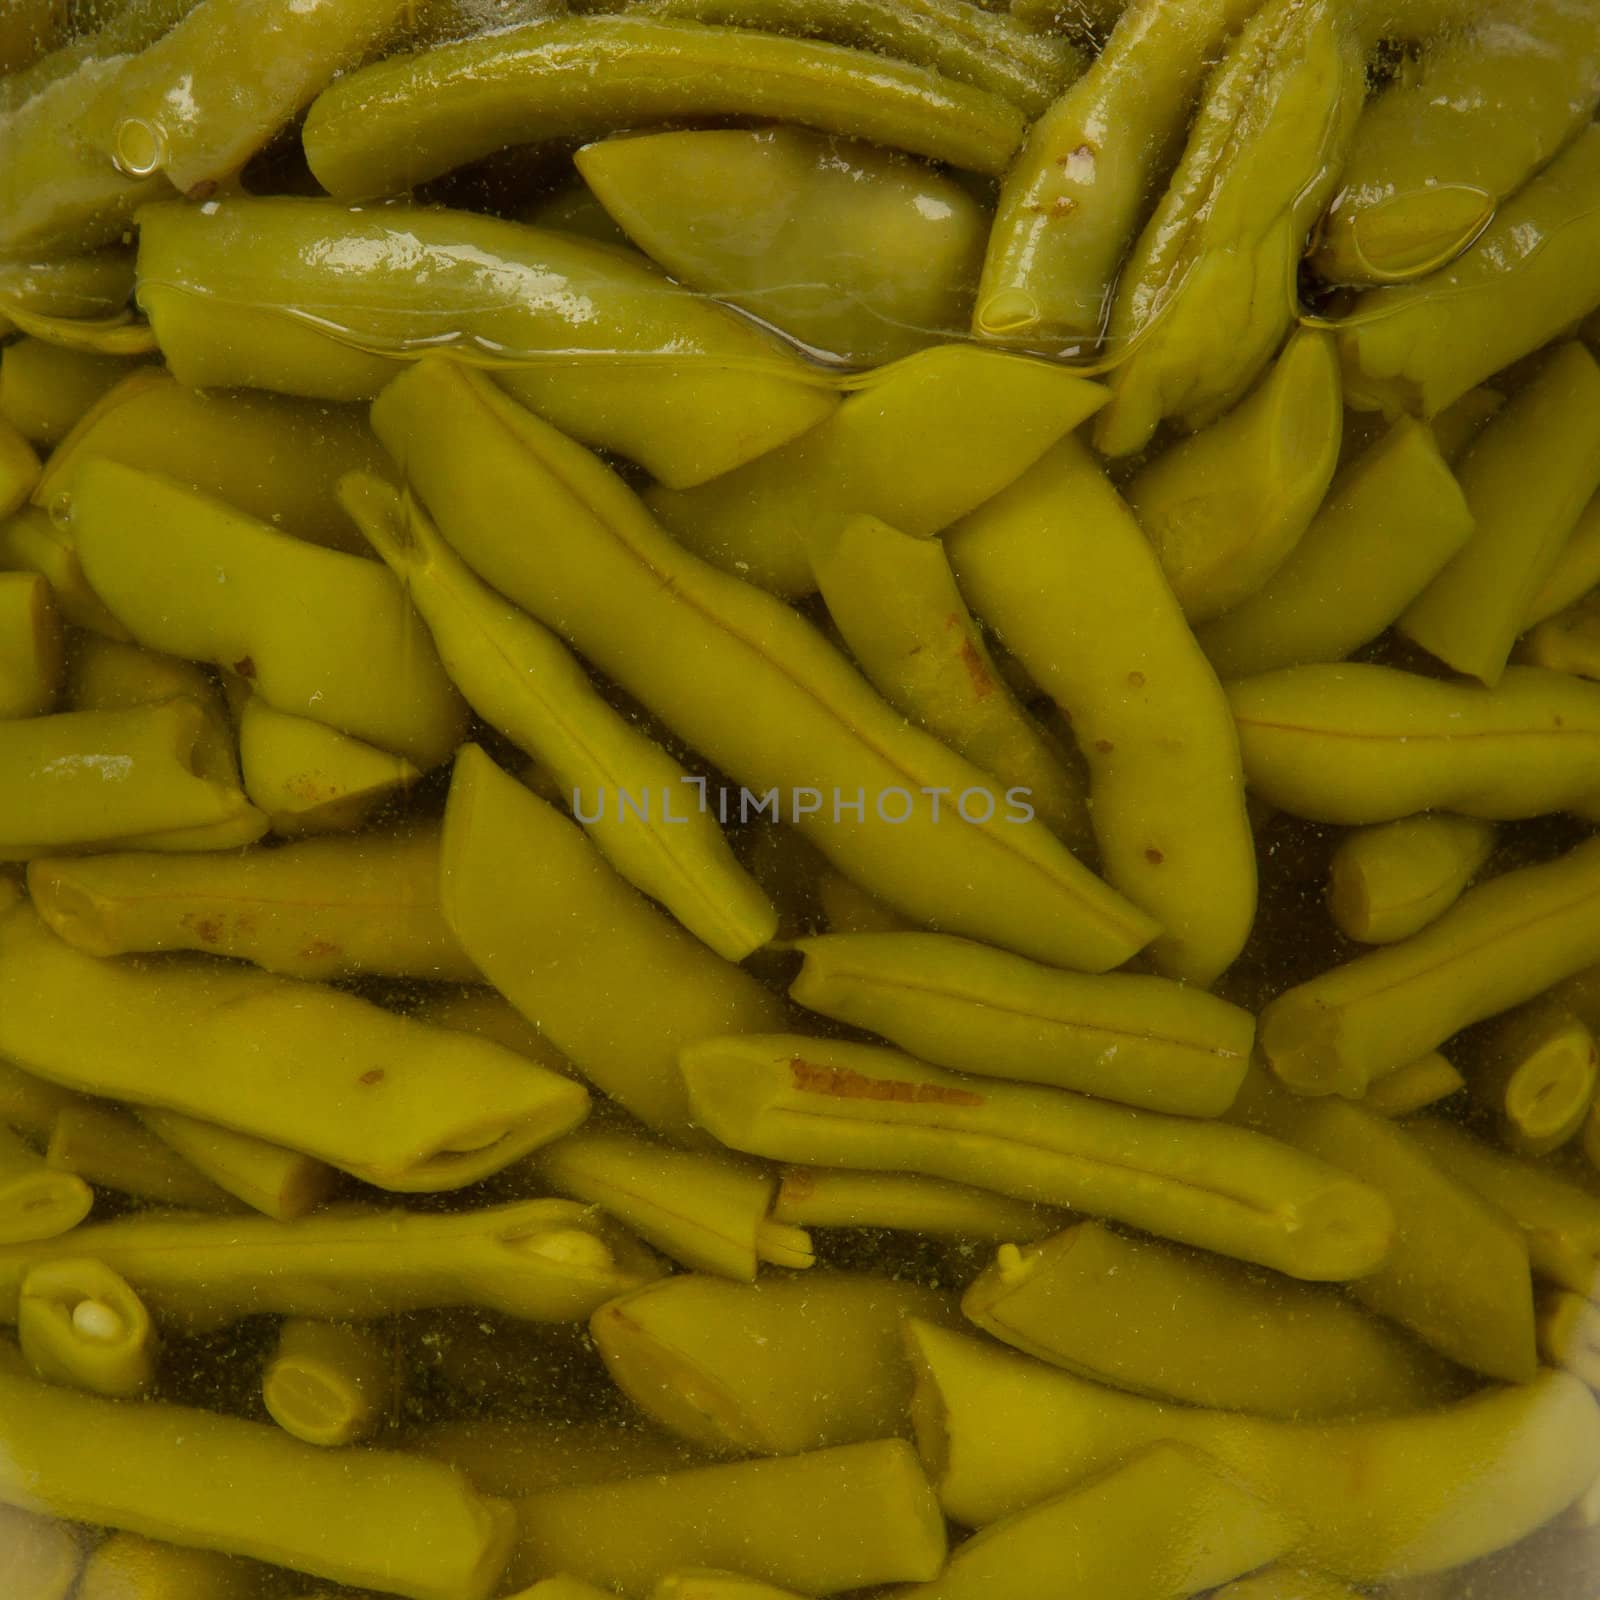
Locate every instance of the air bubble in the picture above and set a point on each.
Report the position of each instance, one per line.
(139, 148)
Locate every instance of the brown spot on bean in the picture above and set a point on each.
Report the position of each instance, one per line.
(1104, 746)
(319, 950)
(203, 190)
(1154, 856)
(206, 928)
(982, 679)
(245, 667)
(1136, 679)
(376, 1075)
(841, 1083)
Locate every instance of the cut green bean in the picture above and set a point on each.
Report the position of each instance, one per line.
(702, 1584)
(1058, 566)
(1534, 1071)
(1075, 196)
(323, 908)
(107, 1147)
(80, 1324)
(739, 676)
(480, 1010)
(1432, 1489)
(402, 1524)
(106, 674)
(845, 907)
(1208, 293)
(602, 344)
(818, 1102)
(1481, 110)
(19, 468)
(895, 602)
(1358, 744)
(1286, 1583)
(1568, 642)
(329, 1383)
(402, 121)
(822, 1522)
(32, 646)
(1569, 1335)
(1413, 1087)
(45, 389)
(1122, 1036)
(1420, 346)
(127, 1566)
(40, 1557)
(1388, 880)
(614, 984)
(523, 680)
(395, 1102)
(270, 1179)
(1500, 944)
(97, 285)
(792, 1363)
(1226, 507)
(709, 1211)
(1180, 1325)
(36, 1201)
(1526, 480)
(1576, 570)
(29, 541)
(921, 444)
(821, 1197)
(1164, 1525)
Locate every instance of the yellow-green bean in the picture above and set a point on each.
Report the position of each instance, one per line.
(19, 468)
(826, 1103)
(80, 1324)
(97, 285)
(36, 1201)
(822, 1197)
(703, 1584)
(268, 1178)
(31, 542)
(1388, 880)
(32, 645)
(1534, 1071)
(1567, 642)
(40, 1558)
(329, 1383)
(109, 1148)
(1501, 943)
(45, 389)
(127, 1566)
(1287, 1583)
(1058, 566)
(920, 444)
(1576, 570)
(1414, 1086)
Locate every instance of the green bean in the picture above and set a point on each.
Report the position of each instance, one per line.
(395, 1102)
(55, 769)
(1123, 1036)
(348, 651)
(1226, 507)
(1058, 566)
(521, 679)
(895, 602)
(19, 469)
(402, 121)
(820, 1197)
(36, 1202)
(277, 1182)
(408, 1526)
(603, 345)
(97, 285)
(701, 1584)
(1414, 1086)
(1165, 1524)
(483, 1011)
(32, 646)
(129, 1567)
(1458, 425)
(45, 388)
(1208, 293)
(1502, 943)
(1534, 1071)
(921, 444)
(1420, 346)
(109, 1148)
(844, 1518)
(561, 1587)
(1457, 1273)
(796, 1362)
(274, 458)
(1355, 743)
(845, 907)
(743, 679)
(613, 983)
(29, 541)
(867, 255)
(329, 1383)
(194, 105)
(324, 908)
(953, 38)
(1074, 197)
(1387, 881)
(40, 1558)
(818, 1102)
(1576, 570)
(1148, 1317)
(1568, 642)
(101, 28)
(1286, 1583)
(1481, 111)
(710, 1212)
(1370, 1498)
(308, 778)
(1526, 480)
(79, 1323)
(1569, 1335)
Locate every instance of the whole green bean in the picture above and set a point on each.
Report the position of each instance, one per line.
(1420, 346)
(920, 444)
(1355, 743)
(820, 1102)
(1479, 113)
(1058, 566)
(80, 1324)
(521, 678)
(742, 678)
(311, 298)
(1077, 192)
(1208, 293)
(1371, 1498)
(1140, 1040)
(399, 122)
(406, 1525)
(1501, 943)
(1183, 1325)
(1387, 881)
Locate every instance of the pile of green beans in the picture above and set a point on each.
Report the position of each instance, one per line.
(799, 798)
